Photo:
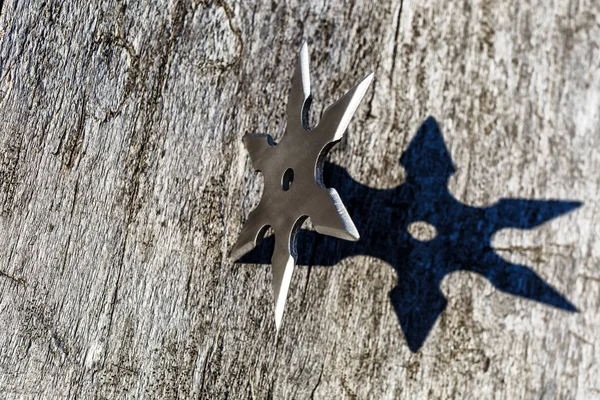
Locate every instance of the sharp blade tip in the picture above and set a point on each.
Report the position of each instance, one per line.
(363, 85)
(277, 323)
(305, 70)
(350, 233)
(354, 236)
(281, 282)
(279, 307)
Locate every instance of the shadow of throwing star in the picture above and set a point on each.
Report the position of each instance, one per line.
(463, 240)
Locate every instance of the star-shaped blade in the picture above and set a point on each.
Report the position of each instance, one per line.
(293, 186)
(463, 241)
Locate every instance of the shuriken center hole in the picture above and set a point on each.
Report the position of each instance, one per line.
(287, 179)
(422, 231)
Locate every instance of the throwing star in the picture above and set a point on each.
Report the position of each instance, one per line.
(293, 186)
(463, 241)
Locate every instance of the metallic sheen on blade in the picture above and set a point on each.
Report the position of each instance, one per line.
(293, 187)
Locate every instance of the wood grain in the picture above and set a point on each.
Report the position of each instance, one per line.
(124, 183)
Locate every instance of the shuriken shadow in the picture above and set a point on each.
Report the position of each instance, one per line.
(463, 240)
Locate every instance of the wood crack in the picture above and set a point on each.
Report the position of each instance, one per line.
(20, 281)
(396, 42)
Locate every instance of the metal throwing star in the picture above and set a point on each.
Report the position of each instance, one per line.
(293, 185)
(463, 241)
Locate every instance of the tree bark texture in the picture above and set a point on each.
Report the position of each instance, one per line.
(124, 183)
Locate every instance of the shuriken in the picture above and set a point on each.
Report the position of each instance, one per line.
(463, 241)
(293, 181)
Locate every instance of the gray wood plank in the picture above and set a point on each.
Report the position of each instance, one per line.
(124, 184)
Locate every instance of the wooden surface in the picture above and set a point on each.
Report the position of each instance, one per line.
(124, 183)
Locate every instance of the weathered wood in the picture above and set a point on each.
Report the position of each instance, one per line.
(124, 183)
